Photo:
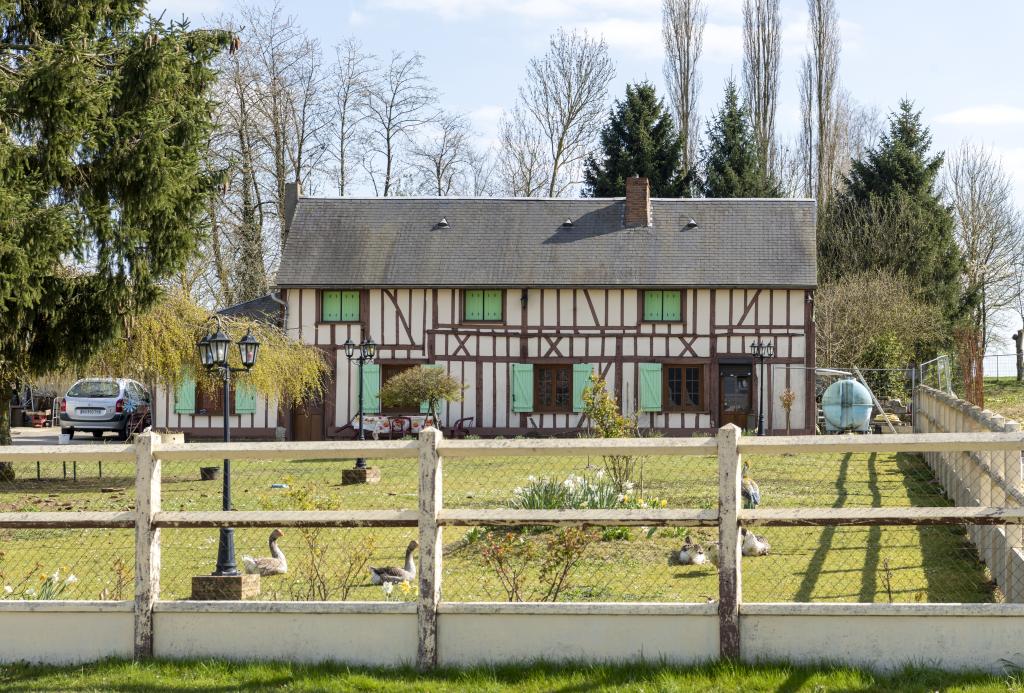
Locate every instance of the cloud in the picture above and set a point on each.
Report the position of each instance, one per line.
(996, 114)
(638, 37)
(485, 121)
(470, 9)
(193, 9)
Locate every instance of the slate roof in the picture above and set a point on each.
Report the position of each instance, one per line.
(394, 242)
(264, 309)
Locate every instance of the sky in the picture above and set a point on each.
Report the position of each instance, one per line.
(959, 62)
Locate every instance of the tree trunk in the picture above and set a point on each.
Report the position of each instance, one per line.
(6, 468)
(1018, 339)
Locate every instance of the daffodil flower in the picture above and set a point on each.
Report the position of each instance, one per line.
(70, 580)
(8, 589)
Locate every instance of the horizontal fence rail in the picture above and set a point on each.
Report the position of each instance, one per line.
(974, 455)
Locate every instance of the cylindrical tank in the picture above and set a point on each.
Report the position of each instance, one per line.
(847, 406)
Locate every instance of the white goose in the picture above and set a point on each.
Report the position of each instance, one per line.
(276, 564)
(754, 545)
(394, 574)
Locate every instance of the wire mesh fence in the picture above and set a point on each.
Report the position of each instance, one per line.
(67, 564)
(1000, 366)
(66, 486)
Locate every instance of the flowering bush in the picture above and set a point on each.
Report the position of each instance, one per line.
(578, 492)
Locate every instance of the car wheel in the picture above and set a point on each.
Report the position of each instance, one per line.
(123, 433)
(97, 434)
(69, 432)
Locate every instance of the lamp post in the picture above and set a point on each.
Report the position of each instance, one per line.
(761, 351)
(213, 354)
(367, 349)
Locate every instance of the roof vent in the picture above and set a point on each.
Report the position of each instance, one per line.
(567, 222)
(443, 224)
(691, 225)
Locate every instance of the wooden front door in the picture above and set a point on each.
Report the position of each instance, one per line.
(735, 388)
(308, 421)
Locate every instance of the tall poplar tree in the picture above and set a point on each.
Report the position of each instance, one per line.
(731, 163)
(640, 138)
(104, 114)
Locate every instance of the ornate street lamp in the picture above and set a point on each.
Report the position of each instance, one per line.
(213, 354)
(366, 353)
(761, 351)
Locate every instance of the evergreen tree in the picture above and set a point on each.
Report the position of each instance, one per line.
(103, 118)
(732, 167)
(639, 138)
(889, 217)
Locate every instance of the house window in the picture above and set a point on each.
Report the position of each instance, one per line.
(480, 305)
(339, 306)
(552, 388)
(663, 306)
(684, 388)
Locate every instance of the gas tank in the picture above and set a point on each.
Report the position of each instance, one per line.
(847, 406)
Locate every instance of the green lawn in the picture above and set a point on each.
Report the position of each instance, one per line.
(221, 676)
(902, 564)
(1005, 396)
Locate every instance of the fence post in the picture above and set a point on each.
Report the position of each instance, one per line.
(147, 541)
(1014, 587)
(729, 566)
(430, 494)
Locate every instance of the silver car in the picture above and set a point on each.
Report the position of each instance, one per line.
(105, 404)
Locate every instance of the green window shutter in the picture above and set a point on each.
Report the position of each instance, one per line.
(371, 388)
(424, 405)
(185, 396)
(671, 308)
(474, 308)
(652, 305)
(330, 306)
(492, 305)
(245, 398)
(580, 379)
(650, 387)
(522, 387)
(350, 306)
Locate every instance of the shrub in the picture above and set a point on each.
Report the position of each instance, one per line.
(416, 385)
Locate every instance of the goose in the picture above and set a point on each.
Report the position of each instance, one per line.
(691, 554)
(393, 574)
(754, 545)
(276, 564)
(711, 551)
(749, 490)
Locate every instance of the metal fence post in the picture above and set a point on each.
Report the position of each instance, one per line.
(430, 493)
(147, 541)
(730, 576)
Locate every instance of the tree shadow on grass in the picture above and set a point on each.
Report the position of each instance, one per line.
(814, 566)
(953, 570)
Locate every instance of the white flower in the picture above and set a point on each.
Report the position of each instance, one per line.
(56, 576)
(30, 592)
(599, 475)
(387, 587)
(532, 479)
(70, 580)
(8, 589)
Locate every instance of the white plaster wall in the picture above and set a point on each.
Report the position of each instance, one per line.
(471, 639)
(69, 635)
(361, 639)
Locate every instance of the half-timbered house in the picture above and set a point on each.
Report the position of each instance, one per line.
(521, 299)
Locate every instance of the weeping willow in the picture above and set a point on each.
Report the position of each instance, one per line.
(159, 347)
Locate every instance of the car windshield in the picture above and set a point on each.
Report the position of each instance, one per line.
(94, 388)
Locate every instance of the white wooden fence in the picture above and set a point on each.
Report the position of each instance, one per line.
(978, 478)
(433, 631)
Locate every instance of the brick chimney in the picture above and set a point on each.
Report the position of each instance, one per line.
(638, 202)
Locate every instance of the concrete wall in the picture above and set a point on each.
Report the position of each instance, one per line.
(64, 632)
(875, 636)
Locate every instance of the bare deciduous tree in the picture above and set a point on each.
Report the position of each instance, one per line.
(352, 70)
(819, 94)
(980, 195)
(762, 50)
(399, 99)
(683, 32)
(523, 165)
(481, 164)
(565, 92)
(442, 158)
